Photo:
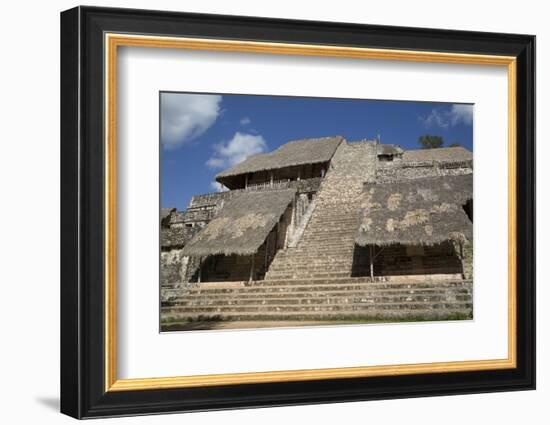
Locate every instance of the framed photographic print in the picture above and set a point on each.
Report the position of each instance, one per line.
(261, 212)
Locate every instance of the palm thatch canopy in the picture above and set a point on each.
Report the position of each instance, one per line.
(454, 154)
(297, 152)
(425, 211)
(242, 225)
(382, 149)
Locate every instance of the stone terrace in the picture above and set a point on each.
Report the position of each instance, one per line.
(323, 299)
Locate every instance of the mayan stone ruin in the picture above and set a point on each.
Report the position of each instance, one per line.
(325, 230)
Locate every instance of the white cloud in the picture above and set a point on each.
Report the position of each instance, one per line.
(240, 147)
(216, 162)
(184, 117)
(458, 114)
(218, 187)
(462, 114)
(245, 121)
(435, 118)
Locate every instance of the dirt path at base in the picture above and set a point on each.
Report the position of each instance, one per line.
(209, 325)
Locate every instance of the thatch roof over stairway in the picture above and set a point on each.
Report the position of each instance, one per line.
(297, 152)
(242, 225)
(424, 211)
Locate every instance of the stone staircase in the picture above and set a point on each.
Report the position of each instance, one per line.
(326, 247)
(322, 299)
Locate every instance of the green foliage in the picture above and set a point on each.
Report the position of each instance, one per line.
(455, 145)
(429, 141)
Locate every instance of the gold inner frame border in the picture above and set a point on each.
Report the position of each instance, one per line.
(112, 41)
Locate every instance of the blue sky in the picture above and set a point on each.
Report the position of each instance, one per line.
(202, 134)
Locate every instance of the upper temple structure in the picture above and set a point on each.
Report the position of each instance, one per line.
(320, 213)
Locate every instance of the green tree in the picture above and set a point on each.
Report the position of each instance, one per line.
(455, 145)
(429, 141)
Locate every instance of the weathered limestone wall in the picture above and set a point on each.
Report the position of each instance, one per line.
(211, 199)
(392, 172)
(170, 264)
(198, 215)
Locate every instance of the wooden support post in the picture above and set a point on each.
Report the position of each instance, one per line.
(251, 269)
(462, 259)
(276, 236)
(293, 219)
(371, 257)
(266, 246)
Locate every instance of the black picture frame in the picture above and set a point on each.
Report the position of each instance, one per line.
(83, 392)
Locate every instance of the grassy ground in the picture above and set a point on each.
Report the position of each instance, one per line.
(174, 325)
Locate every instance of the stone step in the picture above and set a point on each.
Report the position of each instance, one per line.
(323, 301)
(333, 222)
(308, 264)
(313, 271)
(289, 265)
(318, 223)
(300, 293)
(334, 241)
(324, 288)
(406, 281)
(335, 214)
(303, 258)
(329, 231)
(338, 217)
(312, 249)
(372, 315)
(318, 259)
(303, 267)
(316, 253)
(338, 211)
(304, 308)
(321, 260)
(312, 255)
(409, 281)
(298, 275)
(320, 285)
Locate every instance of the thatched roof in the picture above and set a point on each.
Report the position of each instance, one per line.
(298, 152)
(439, 155)
(382, 149)
(242, 225)
(423, 211)
(176, 237)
